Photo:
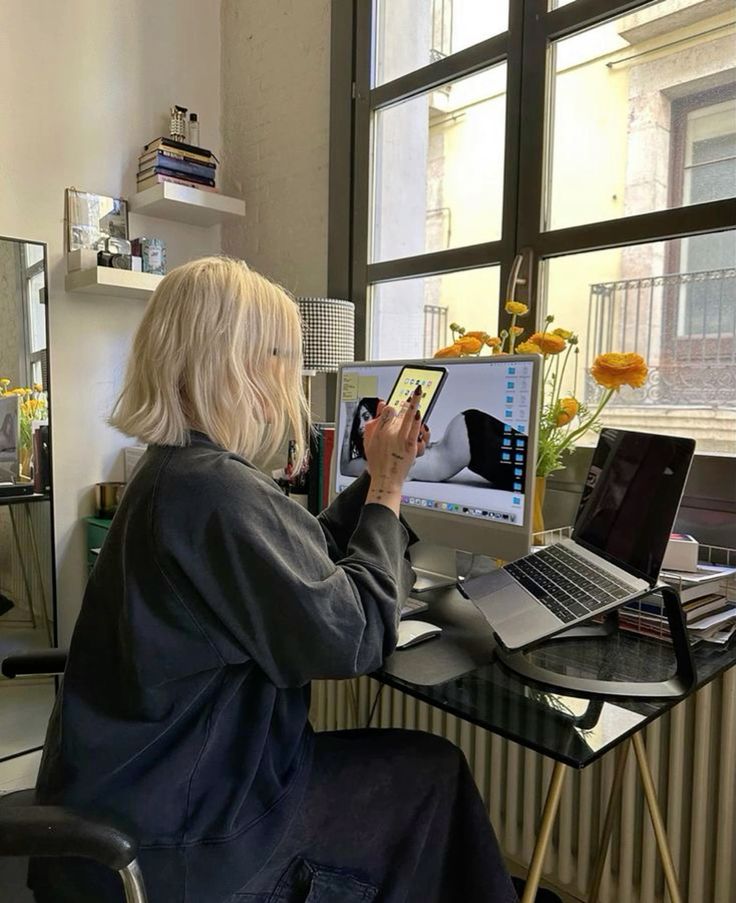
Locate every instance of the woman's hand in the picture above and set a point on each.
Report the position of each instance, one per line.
(391, 442)
(422, 440)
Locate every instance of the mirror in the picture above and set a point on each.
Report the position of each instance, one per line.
(27, 574)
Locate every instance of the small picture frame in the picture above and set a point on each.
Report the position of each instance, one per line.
(93, 218)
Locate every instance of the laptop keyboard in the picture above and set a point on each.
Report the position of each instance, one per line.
(566, 583)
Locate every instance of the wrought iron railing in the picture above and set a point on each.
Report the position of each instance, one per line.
(684, 324)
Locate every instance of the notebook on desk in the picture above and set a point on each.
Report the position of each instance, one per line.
(626, 513)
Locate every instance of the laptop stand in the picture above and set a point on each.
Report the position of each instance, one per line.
(681, 682)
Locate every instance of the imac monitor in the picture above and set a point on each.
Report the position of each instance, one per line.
(472, 488)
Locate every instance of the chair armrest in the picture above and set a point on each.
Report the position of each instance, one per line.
(43, 661)
(58, 831)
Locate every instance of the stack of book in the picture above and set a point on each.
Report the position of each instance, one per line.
(166, 160)
(708, 602)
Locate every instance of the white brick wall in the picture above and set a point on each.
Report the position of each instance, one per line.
(275, 125)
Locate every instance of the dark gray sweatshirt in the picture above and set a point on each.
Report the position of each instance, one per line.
(214, 602)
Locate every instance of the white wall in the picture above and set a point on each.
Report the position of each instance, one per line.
(83, 85)
(275, 84)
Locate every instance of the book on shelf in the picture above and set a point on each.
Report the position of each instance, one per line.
(179, 147)
(177, 167)
(159, 178)
(171, 158)
(199, 180)
(704, 574)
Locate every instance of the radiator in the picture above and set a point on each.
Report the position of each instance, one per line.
(692, 753)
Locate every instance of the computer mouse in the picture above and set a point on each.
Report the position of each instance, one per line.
(413, 632)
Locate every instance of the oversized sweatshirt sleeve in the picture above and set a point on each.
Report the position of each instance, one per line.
(339, 519)
(254, 569)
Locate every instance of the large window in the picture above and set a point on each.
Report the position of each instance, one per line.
(599, 139)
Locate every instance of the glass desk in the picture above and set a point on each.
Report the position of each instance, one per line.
(460, 674)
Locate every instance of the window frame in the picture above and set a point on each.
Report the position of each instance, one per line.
(533, 29)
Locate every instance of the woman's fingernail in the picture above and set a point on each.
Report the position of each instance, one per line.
(418, 390)
(416, 416)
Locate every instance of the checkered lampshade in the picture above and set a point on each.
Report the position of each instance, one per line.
(329, 332)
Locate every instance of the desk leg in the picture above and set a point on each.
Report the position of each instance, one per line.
(613, 799)
(545, 832)
(39, 575)
(657, 822)
(22, 562)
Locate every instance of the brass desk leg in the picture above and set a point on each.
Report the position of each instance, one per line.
(650, 794)
(545, 832)
(613, 799)
(22, 562)
(39, 575)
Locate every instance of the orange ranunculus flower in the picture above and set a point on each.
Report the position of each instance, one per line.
(469, 344)
(548, 342)
(516, 307)
(528, 347)
(567, 408)
(562, 333)
(450, 351)
(516, 330)
(616, 369)
(492, 341)
(481, 336)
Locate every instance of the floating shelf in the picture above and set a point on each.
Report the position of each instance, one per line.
(186, 205)
(109, 281)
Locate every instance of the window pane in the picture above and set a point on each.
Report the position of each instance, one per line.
(674, 303)
(411, 318)
(37, 337)
(34, 253)
(411, 34)
(644, 115)
(438, 168)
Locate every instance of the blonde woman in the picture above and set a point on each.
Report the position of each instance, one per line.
(214, 602)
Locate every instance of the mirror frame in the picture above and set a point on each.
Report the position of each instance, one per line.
(52, 514)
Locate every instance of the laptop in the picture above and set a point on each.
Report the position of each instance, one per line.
(626, 513)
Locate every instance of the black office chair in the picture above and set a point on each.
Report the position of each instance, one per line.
(29, 829)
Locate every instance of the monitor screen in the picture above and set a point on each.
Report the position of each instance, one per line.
(631, 496)
(478, 460)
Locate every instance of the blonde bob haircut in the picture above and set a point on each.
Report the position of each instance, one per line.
(219, 350)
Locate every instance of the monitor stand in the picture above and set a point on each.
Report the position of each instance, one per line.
(438, 567)
(681, 682)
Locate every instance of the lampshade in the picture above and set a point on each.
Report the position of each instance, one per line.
(329, 332)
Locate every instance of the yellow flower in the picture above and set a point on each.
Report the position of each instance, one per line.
(548, 342)
(37, 387)
(469, 344)
(616, 369)
(516, 307)
(493, 341)
(562, 333)
(528, 348)
(449, 351)
(516, 330)
(481, 336)
(567, 408)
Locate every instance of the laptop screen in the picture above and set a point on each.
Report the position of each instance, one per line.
(631, 496)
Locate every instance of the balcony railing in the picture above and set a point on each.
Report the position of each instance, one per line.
(684, 324)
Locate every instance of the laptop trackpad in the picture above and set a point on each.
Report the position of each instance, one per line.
(514, 614)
